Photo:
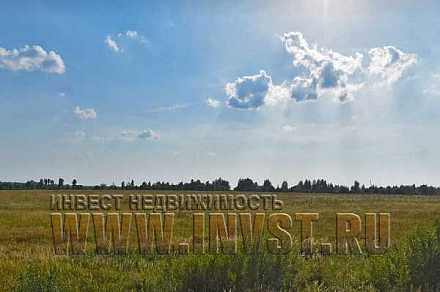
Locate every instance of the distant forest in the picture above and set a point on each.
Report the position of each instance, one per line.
(243, 185)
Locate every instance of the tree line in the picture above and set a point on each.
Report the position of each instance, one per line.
(243, 185)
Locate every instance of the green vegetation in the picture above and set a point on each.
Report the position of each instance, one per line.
(28, 264)
(315, 186)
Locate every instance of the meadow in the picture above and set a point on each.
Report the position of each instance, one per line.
(27, 261)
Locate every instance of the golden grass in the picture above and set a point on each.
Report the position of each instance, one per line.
(25, 235)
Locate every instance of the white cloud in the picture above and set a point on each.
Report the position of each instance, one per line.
(148, 134)
(320, 72)
(389, 63)
(288, 128)
(254, 91)
(132, 135)
(85, 114)
(212, 102)
(112, 44)
(248, 92)
(277, 94)
(31, 58)
(434, 85)
(303, 89)
(134, 35)
(168, 108)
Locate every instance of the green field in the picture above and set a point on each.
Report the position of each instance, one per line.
(27, 261)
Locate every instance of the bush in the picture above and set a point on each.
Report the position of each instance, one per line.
(424, 258)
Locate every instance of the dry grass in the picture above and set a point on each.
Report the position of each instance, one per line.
(25, 240)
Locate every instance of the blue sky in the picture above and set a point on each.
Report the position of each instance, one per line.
(174, 90)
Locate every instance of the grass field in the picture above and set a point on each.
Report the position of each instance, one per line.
(27, 261)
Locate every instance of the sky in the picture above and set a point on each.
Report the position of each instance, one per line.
(173, 90)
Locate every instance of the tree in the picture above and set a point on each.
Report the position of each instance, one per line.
(220, 185)
(284, 186)
(307, 186)
(267, 186)
(74, 182)
(246, 185)
(355, 188)
(60, 182)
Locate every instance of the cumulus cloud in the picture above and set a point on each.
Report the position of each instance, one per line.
(31, 58)
(134, 35)
(327, 72)
(132, 135)
(320, 72)
(85, 114)
(212, 102)
(389, 63)
(254, 91)
(248, 91)
(114, 42)
(303, 89)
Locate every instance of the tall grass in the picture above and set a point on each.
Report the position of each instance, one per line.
(414, 263)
